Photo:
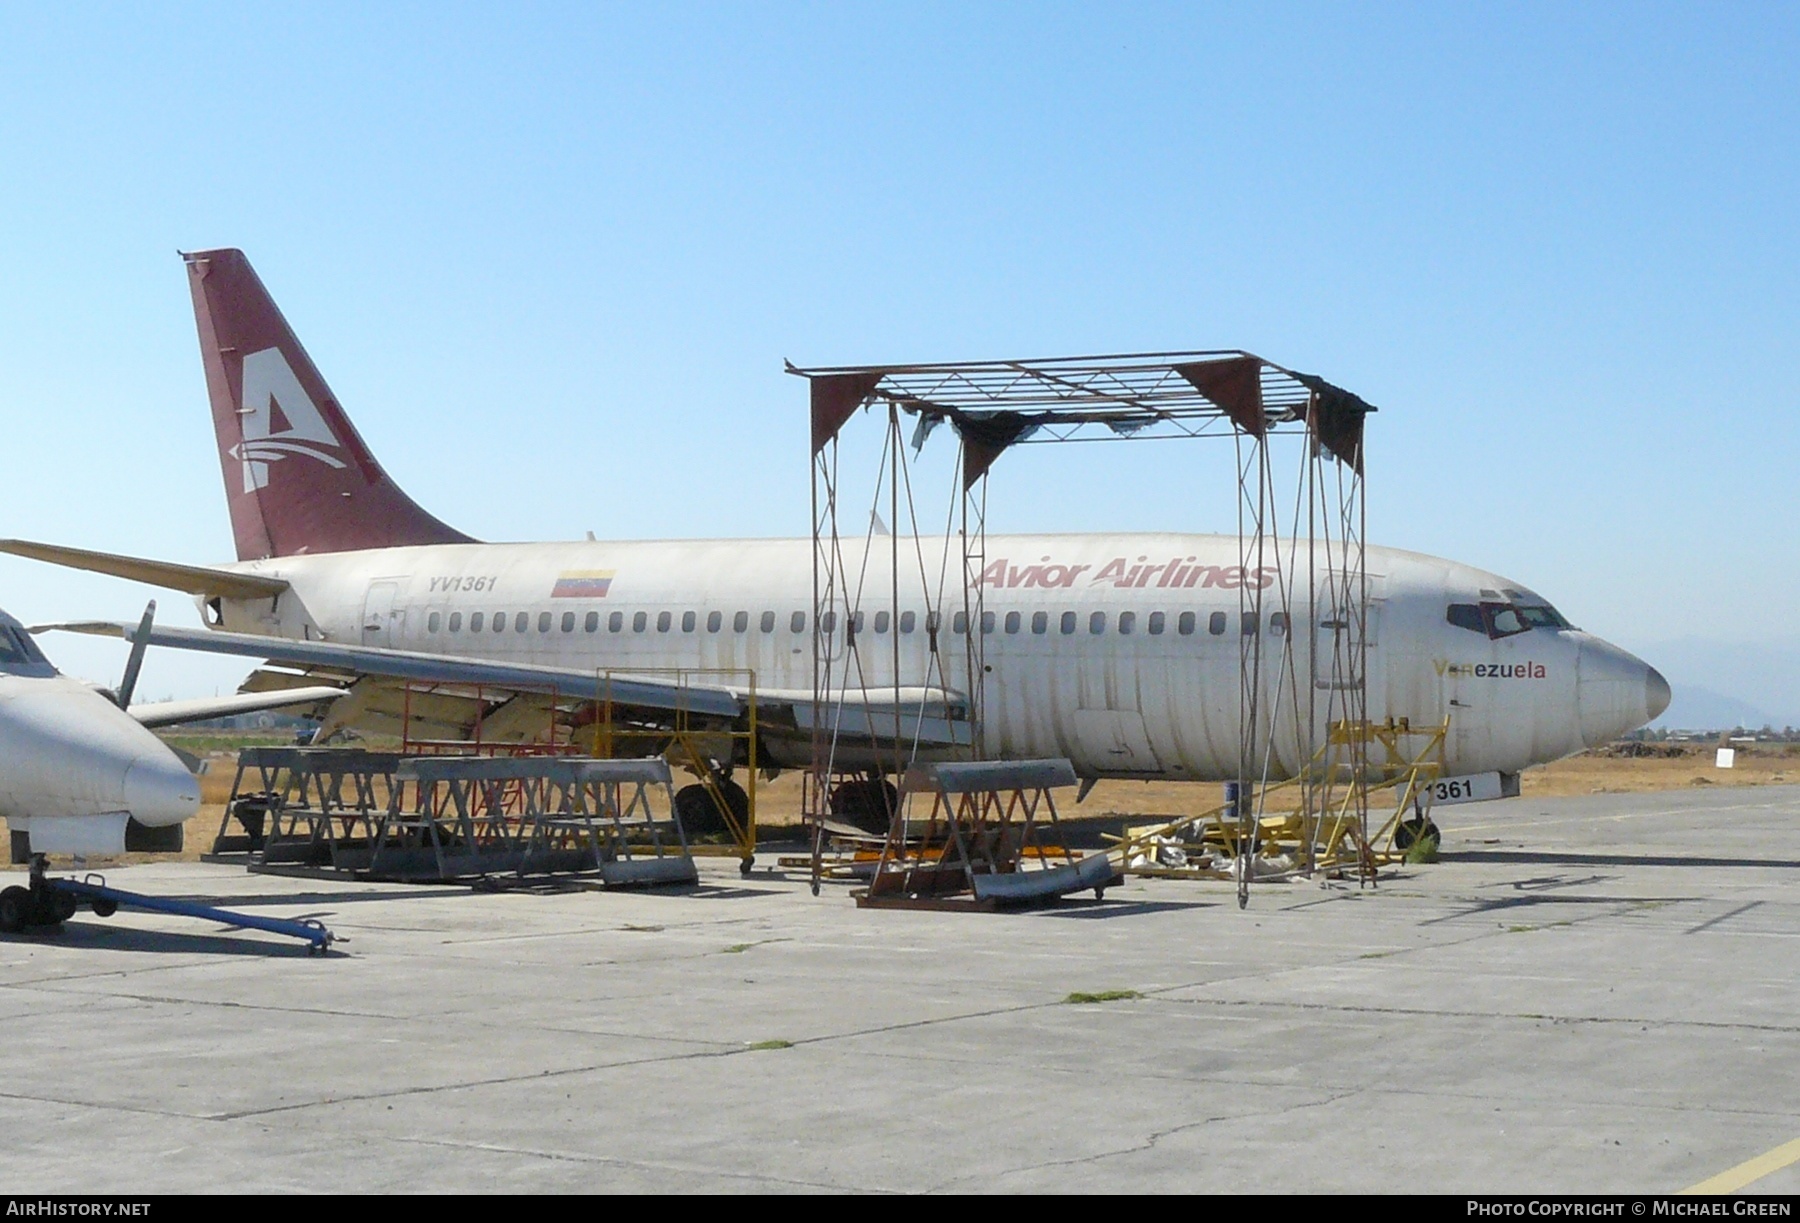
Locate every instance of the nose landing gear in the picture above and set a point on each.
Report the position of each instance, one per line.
(38, 906)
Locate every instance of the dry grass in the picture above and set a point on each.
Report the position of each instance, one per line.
(1604, 772)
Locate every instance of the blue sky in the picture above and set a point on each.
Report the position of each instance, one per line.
(551, 258)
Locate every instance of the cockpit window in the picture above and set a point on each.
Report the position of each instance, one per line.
(1503, 620)
(17, 649)
(1497, 620)
(1543, 616)
(1465, 615)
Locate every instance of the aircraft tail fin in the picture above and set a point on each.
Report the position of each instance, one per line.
(298, 478)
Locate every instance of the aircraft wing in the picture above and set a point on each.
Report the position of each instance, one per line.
(459, 698)
(173, 713)
(330, 659)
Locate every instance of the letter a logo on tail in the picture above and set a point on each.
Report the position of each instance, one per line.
(279, 419)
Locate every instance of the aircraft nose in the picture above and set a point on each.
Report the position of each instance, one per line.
(160, 791)
(1658, 693)
(1617, 692)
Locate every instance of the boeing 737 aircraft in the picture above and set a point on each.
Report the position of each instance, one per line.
(1117, 651)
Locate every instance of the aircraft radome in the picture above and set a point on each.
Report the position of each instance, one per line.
(1117, 651)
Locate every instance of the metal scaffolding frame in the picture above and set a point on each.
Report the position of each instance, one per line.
(1301, 535)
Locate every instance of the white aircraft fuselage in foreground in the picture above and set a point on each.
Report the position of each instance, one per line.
(76, 771)
(80, 772)
(1118, 651)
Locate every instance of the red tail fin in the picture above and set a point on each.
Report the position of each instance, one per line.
(297, 476)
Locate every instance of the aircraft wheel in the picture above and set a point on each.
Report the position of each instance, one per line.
(252, 812)
(869, 803)
(738, 799)
(105, 908)
(59, 905)
(15, 909)
(1411, 831)
(700, 815)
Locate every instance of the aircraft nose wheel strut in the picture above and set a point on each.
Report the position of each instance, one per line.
(39, 906)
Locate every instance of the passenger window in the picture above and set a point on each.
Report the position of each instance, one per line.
(456, 622)
(856, 622)
(663, 621)
(687, 621)
(592, 623)
(476, 620)
(615, 622)
(1127, 622)
(1278, 623)
(797, 622)
(987, 622)
(1013, 620)
(1156, 624)
(431, 623)
(543, 622)
(1250, 625)
(1068, 623)
(715, 621)
(908, 621)
(1215, 624)
(740, 623)
(1185, 624)
(828, 623)
(568, 622)
(881, 622)
(640, 622)
(767, 623)
(933, 622)
(1040, 623)
(959, 623)
(1097, 623)
(1465, 615)
(521, 621)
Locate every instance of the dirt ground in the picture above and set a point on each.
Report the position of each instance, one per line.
(1610, 770)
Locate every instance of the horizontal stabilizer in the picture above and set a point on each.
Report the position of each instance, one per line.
(194, 579)
(174, 713)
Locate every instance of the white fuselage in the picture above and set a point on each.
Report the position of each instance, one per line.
(77, 768)
(1120, 652)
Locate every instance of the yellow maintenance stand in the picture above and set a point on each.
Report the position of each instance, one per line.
(1320, 821)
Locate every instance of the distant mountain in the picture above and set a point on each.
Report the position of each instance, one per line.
(1697, 708)
(1719, 684)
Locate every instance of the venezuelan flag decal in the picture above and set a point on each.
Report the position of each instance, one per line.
(583, 584)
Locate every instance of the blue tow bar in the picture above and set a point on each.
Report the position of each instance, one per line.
(105, 900)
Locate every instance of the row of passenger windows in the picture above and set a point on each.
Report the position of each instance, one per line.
(1067, 623)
